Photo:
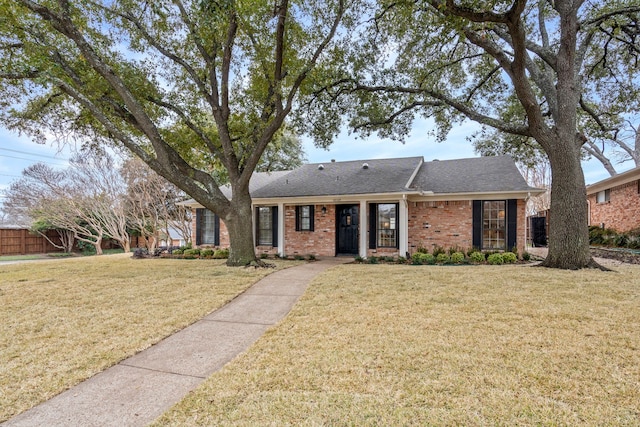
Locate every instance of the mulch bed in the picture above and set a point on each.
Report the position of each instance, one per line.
(616, 254)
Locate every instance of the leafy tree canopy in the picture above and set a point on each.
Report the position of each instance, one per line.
(556, 72)
(184, 84)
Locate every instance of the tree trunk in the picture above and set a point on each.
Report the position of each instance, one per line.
(568, 222)
(98, 245)
(240, 227)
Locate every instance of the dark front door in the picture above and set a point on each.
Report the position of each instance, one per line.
(347, 219)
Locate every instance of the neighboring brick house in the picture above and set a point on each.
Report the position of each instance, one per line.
(615, 202)
(382, 207)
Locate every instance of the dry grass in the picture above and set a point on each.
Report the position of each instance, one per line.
(403, 345)
(63, 321)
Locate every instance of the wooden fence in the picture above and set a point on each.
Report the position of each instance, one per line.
(23, 242)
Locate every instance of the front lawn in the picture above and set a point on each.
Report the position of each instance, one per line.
(66, 320)
(408, 345)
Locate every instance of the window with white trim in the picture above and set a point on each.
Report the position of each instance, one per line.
(265, 226)
(603, 196)
(387, 225)
(304, 218)
(494, 225)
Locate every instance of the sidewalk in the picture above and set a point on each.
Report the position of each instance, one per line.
(139, 389)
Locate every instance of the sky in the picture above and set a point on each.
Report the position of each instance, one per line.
(18, 152)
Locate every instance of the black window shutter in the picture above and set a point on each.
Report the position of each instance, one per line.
(257, 225)
(373, 225)
(512, 222)
(477, 224)
(199, 226)
(297, 218)
(274, 219)
(311, 217)
(216, 230)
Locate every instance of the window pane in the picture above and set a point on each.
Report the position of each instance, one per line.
(494, 222)
(207, 227)
(305, 217)
(265, 235)
(387, 225)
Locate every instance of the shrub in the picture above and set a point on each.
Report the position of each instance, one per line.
(177, 251)
(422, 250)
(453, 249)
(427, 259)
(509, 257)
(621, 240)
(208, 252)
(495, 259)
(416, 258)
(298, 257)
(191, 253)
(471, 250)
(389, 259)
(311, 257)
(443, 258)
(437, 250)
(526, 256)
(401, 260)
(372, 260)
(457, 257)
(221, 254)
(477, 257)
(358, 259)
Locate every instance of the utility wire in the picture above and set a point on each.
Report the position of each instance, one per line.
(32, 160)
(32, 154)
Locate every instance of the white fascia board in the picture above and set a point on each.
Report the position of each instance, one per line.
(190, 204)
(334, 199)
(495, 195)
(413, 175)
(614, 181)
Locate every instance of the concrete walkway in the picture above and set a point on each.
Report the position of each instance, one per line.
(139, 389)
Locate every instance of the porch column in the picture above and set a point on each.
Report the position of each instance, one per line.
(281, 229)
(403, 227)
(364, 226)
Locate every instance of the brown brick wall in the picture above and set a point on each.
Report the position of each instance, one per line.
(621, 212)
(321, 241)
(520, 226)
(444, 224)
(450, 225)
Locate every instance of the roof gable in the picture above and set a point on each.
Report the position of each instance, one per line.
(471, 175)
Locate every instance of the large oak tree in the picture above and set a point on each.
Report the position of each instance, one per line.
(532, 69)
(175, 82)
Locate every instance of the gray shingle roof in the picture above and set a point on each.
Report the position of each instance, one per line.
(472, 175)
(343, 178)
(257, 181)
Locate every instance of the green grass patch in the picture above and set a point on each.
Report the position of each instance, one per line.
(21, 257)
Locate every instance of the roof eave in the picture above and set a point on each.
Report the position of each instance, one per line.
(614, 181)
(333, 198)
(481, 195)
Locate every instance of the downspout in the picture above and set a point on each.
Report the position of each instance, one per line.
(403, 219)
(526, 221)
